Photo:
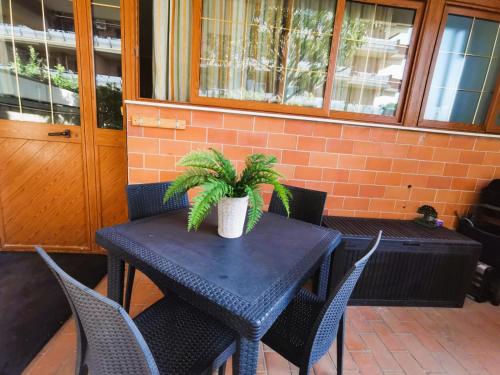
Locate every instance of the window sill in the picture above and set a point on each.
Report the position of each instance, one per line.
(306, 118)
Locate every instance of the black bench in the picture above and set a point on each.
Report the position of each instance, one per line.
(414, 265)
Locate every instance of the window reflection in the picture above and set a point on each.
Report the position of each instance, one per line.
(38, 67)
(465, 71)
(108, 66)
(371, 59)
(274, 51)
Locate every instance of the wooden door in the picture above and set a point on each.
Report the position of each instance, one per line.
(43, 188)
(62, 172)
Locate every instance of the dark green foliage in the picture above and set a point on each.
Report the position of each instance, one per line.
(218, 178)
(427, 211)
(109, 104)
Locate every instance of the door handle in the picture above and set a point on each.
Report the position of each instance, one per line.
(66, 134)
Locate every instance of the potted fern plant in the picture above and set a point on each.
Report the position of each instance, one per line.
(233, 193)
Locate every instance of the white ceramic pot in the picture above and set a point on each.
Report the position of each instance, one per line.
(231, 215)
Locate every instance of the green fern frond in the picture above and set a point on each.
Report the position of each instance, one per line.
(256, 165)
(189, 179)
(201, 159)
(284, 195)
(212, 191)
(228, 171)
(256, 203)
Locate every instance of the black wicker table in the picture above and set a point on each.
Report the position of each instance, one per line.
(245, 282)
(413, 266)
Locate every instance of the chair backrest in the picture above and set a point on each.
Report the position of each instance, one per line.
(113, 342)
(327, 322)
(146, 200)
(306, 205)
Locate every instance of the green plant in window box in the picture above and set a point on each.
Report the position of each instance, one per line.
(222, 185)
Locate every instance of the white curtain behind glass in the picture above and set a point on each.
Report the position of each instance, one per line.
(171, 49)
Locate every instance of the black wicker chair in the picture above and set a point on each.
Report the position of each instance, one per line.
(306, 329)
(146, 200)
(170, 337)
(306, 205)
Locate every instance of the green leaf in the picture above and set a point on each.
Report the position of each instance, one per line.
(227, 169)
(284, 195)
(189, 179)
(213, 191)
(256, 203)
(201, 159)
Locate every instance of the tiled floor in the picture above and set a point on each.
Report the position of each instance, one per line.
(379, 340)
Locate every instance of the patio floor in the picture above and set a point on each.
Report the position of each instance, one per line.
(380, 340)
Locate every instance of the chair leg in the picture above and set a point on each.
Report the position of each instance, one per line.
(222, 369)
(340, 345)
(130, 285)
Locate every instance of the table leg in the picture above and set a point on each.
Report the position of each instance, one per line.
(324, 275)
(340, 345)
(245, 360)
(116, 272)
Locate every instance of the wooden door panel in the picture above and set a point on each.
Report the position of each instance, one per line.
(112, 183)
(43, 195)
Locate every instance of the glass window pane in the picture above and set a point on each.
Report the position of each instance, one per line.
(465, 72)
(482, 39)
(449, 66)
(108, 64)
(475, 69)
(371, 59)
(482, 110)
(38, 62)
(491, 77)
(456, 34)
(464, 106)
(257, 50)
(440, 103)
(9, 94)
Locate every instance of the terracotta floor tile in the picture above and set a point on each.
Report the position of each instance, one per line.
(409, 365)
(369, 312)
(324, 366)
(366, 363)
(383, 357)
(423, 357)
(276, 364)
(467, 361)
(352, 339)
(392, 321)
(449, 363)
(423, 336)
(349, 364)
(379, 340)
(388, 337)
(358, 320)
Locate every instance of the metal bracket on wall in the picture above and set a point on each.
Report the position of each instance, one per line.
(152, 122)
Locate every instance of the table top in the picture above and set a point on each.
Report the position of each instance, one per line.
(252, 278)
(393, 229)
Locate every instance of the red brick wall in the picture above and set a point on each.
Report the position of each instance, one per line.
(370, 172)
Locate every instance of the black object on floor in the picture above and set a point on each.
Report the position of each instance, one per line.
(32, 304)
